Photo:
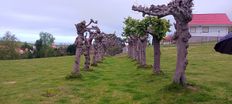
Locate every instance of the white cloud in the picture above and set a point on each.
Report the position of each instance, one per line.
(26, 18)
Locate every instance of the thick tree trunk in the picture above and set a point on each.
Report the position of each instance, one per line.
(94, 61)
(79, 51)
(134, 50)
(101, 55)
(139, 49)
(87, 58)
(143, 53)
(156, 47)
(76, 68)
(129, 50)
(182, 36)
(88, 45)
(100, 52)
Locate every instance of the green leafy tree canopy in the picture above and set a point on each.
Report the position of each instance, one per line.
(130, 26)
(152, 25)
(157, 27)
(8, 46)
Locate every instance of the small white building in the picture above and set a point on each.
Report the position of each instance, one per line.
(209, 27)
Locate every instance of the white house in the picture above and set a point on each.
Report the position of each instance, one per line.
(209, 27)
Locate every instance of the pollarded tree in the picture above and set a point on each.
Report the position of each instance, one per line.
(141, 31)
(112, 44)
(81, 28)
(130, 42)
(129, 32)
(88, 44)
(181, 10)
(158, 29)
(98, 49)
(136, 32)
(95, 51)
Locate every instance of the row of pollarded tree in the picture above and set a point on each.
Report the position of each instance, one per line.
(181, 10)
(102, 43)
(137, 31)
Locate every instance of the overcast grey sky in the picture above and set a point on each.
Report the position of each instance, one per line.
(26, 18)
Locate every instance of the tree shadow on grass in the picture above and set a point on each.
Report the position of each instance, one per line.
(73, 76)
(144, 66)
(191, 93)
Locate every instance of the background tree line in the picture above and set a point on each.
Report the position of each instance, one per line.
(12, 48)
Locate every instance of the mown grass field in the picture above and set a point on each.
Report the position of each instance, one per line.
(118, 81)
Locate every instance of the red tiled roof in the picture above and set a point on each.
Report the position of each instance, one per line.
(210, 19)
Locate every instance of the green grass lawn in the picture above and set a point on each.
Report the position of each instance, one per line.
(118, 81)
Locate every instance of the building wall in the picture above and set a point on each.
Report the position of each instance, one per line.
(214, 31)
(200, 39)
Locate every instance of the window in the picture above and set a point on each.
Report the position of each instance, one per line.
(230, 29)
(205, 29)
(192, 29)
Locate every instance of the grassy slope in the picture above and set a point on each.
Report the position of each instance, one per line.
(117, 80)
